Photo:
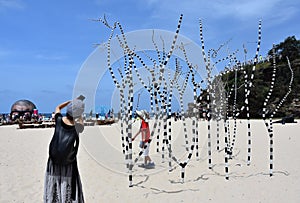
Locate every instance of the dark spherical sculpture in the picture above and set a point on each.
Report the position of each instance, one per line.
(22, 108)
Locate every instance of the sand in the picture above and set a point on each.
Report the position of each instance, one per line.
(24, 152)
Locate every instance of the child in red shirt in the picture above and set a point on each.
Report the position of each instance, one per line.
(145, 132)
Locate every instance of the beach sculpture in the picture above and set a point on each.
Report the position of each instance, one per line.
(161, 86)
(22, 108)
(247, 84)
(269, 124)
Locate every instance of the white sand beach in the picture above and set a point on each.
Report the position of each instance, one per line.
(24, 153)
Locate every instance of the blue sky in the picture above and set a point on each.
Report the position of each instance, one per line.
(43, 44)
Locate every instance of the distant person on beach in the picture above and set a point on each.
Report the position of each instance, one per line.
(62, 179)
(145, 132)
(53, 116)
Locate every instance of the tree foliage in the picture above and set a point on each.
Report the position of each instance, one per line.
(290, 48)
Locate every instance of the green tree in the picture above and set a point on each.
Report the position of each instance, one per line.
(290, 48)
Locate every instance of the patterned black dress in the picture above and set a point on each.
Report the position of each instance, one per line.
(62, 181)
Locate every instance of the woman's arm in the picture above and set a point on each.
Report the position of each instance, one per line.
(61, 106)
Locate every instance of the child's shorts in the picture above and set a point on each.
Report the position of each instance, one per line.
(146, 151)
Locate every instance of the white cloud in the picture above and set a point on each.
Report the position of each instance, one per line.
(152, 2)
(11, 4)
(248, 9)
(239, 9)
(50, 57)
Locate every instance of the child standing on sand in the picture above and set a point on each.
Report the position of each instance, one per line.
(145, 132)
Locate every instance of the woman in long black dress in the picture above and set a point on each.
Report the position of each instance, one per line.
(62, 179)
